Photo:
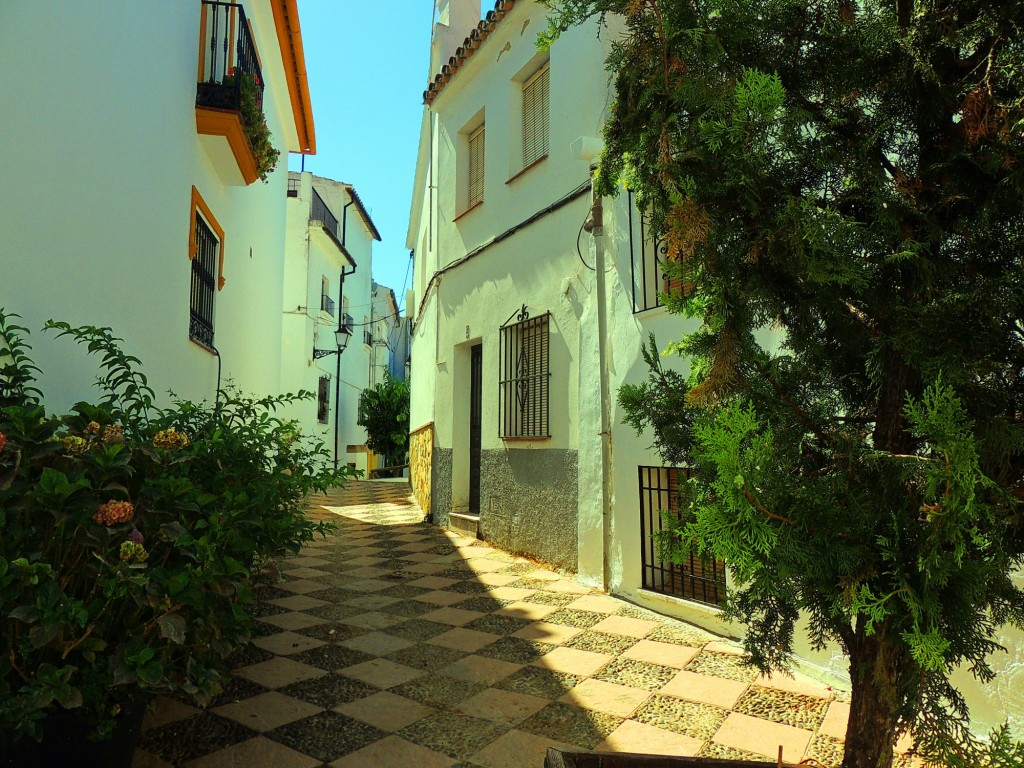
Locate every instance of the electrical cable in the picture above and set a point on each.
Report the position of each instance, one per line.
(405, 282)
(578, 251)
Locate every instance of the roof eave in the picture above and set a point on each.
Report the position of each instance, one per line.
(289, 37)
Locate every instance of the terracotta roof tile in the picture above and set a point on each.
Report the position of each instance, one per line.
(469, 46)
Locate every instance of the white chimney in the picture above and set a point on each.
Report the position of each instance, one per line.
(455, 20)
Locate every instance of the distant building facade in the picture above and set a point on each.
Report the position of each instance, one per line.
(328, 287)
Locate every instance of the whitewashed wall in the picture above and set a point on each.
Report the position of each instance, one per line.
(99, 153)
(539, 266)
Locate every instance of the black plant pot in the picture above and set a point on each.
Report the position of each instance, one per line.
(65, 743)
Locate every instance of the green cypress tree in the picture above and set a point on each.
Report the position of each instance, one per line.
(848, 177)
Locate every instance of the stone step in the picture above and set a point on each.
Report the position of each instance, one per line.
(464, 523)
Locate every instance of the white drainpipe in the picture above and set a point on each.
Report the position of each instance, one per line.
(595, 225)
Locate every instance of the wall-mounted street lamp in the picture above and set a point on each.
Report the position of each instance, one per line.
(341, 339)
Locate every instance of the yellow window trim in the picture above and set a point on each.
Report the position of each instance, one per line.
(198, 204)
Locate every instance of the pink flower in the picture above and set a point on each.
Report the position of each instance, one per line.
(3, 441)
(135, 536)
(114, 512)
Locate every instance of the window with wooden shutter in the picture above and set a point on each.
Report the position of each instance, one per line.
(679, 570)
(476, 167)
(535, 117)
(525, 375)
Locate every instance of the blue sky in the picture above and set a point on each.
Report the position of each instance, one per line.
(367, 66)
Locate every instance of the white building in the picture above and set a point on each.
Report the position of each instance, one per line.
(508, 381)
(130, 193)
(328, 287)
(385, 332)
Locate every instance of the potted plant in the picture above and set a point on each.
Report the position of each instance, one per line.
(129, 537)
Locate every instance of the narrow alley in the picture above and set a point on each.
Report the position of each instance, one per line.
(396, 643)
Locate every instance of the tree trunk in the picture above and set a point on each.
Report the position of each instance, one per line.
(878, 671)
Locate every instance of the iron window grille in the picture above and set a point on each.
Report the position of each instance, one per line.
(204, 284)
(648, 254)
(323, 399)
(327, 304)
(475, 170)
(294, 186)
(368, 338)
(525, 375)
(535, 116)
(696, 579)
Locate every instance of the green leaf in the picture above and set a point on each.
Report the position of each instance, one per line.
(173, 628)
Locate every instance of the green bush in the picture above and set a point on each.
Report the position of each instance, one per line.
(130, 534)
(384, 413)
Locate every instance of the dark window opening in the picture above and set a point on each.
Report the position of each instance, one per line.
(323, 399)
(204, 284)
(702, 581)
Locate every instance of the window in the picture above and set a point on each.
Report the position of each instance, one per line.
(691, 579)
(649, 255)
(535, 116)
(524, 376)
(323, 399)
(206, 252)
(326, 302)
(475, 165)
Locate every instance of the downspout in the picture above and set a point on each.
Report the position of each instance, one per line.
(337, 373)
(596, 226)
(344, 222)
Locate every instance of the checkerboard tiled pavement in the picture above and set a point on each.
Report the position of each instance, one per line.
(395, 643)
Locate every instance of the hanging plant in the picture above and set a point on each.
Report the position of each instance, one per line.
(255, 123)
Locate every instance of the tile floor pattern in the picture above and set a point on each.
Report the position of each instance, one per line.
(396, 643)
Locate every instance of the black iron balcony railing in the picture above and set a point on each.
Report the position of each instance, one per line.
(227, 55)
(294, 186)
(327, 304)
(319, 211)
(368, 338)
(346, 321)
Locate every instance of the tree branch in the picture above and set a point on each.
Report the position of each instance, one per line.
(767, 512)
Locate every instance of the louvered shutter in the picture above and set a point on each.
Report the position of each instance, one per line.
(535, 117)
(476, 167)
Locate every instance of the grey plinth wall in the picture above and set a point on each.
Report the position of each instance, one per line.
(441, 486)
(528, 503)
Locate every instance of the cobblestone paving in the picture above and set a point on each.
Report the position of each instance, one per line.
(395, 643)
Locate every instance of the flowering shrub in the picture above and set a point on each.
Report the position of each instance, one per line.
(129, 534)
(171, 439)
(255, 123)
(114, 512)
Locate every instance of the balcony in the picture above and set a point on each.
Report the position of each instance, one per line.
(368, 338)
(229, 81)
(325, 221)
(321, 214)
(346, 321)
